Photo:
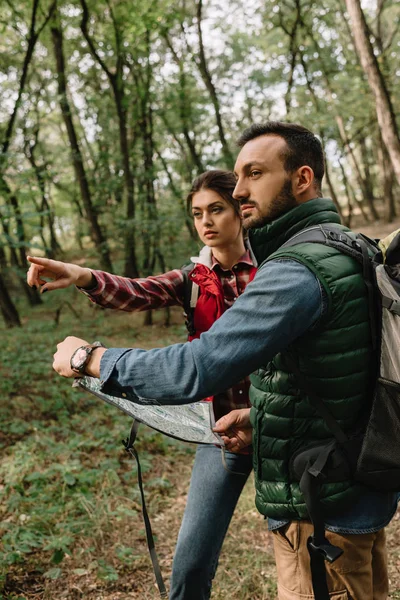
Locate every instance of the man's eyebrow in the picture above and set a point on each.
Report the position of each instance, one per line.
(253, 163)
(247, 166)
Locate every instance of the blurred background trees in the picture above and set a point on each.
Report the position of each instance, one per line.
(109, 109)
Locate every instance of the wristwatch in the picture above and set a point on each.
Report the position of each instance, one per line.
(80, 357)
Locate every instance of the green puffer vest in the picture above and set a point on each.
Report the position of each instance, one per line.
(335, 356)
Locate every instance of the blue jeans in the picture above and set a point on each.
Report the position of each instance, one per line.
(212, 498)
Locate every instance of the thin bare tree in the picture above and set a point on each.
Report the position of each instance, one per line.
(383, 102)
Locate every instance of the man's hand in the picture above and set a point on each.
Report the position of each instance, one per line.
(61, 274)
(62, 358)
(235, 429)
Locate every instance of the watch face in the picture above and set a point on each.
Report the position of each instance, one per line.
(79, 358)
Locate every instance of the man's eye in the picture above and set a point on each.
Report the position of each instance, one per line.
(254, 173)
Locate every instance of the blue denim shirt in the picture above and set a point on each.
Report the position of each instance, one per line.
(283, 301)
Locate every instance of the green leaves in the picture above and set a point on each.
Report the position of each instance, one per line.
(107, 572)
(58, 556)
(54, 573)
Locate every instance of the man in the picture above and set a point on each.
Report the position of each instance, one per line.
(306, 311)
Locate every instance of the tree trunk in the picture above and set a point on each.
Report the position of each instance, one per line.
(338, 118)
(348, 218)
(148, 318)
(383, 104)
(77, 159)
(361, 182)
(293, 49)
(7, 307)
(332, 192)
(117, 86)
(10, 241)
(3, 258)
(206, 76)
(53, 248)
(19, 257)
(179, 196)
(184, 110)
(388, 181)
(32, 39)
(11, 198)
(368, 176)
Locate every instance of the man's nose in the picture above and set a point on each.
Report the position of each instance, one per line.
(240, 192)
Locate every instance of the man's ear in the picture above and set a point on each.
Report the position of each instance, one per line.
(303, 181)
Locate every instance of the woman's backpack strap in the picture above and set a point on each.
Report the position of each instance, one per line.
(190, 297)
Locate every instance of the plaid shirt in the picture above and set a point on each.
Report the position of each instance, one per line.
(168, 289)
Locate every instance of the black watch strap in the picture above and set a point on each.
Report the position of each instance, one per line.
(80, 357)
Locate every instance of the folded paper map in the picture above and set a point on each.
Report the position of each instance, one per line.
(186, 422)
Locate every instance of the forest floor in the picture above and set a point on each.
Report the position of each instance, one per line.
(70, 519)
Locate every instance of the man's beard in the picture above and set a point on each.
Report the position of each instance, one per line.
(282, 203)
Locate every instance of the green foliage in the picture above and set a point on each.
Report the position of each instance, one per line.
(265, 60)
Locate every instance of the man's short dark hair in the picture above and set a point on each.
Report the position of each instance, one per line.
(302, 146)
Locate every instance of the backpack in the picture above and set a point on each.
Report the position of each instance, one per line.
(371, 455)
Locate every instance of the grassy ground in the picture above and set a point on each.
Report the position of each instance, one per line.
(70, 520)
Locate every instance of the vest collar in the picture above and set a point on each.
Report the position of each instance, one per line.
(267, 239)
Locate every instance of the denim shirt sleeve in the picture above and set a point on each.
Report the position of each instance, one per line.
(283, 301)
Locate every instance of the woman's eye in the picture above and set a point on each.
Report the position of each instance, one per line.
(196, 215)
(217, 209)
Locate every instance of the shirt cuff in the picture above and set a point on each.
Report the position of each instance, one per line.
(108, 362)
(96, 290)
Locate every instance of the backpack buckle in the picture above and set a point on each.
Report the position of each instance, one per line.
(326, 549)
(338, 237)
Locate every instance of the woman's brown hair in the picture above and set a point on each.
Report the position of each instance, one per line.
(221, 182)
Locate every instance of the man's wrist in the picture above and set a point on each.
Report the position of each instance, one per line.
(92, 367)
(246, 417)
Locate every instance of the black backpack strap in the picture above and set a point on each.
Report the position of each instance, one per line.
(319, 548)
(190, 298)
(330, 235)
(129, 447)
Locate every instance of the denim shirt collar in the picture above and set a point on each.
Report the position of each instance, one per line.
(267, 239)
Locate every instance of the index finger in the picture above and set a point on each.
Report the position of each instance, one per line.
(43, 262)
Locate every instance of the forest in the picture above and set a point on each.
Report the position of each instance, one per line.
(108, 110)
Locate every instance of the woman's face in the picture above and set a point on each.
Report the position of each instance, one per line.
(216, 221)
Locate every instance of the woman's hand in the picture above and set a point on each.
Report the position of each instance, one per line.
(61, 274)
(235, 429)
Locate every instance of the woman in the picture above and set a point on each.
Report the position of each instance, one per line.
(220, 274)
